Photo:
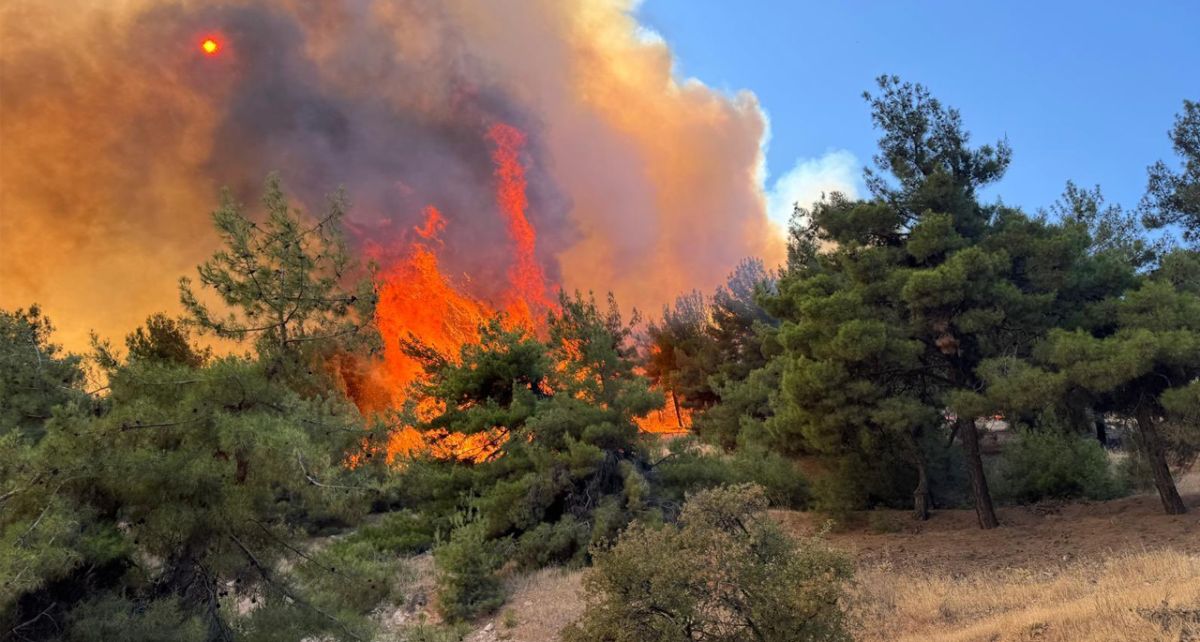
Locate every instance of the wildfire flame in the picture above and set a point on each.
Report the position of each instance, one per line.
(670, 419)
(210, 47)
(418, 301)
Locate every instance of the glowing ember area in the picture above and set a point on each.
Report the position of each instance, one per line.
(671, 418)
(210, 47)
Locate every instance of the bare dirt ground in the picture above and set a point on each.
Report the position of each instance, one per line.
(1045, 536)
(1105, 571)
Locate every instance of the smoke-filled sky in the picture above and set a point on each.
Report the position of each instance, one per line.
(117, 132)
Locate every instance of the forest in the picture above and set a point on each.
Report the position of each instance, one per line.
(227, 471)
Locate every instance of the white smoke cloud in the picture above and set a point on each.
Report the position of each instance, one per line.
(836, 171)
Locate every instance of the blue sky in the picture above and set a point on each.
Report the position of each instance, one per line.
(1083, 90)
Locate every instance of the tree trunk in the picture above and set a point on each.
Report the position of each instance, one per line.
(1101, 430)
(1156, 453)
(921, 494)
(675, 403)
(979, 488)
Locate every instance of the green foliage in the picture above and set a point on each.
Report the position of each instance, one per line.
(403, 532)
(352, 574)
(704, 345)
(35, 375)
(1112, 230)
(1141, 366)
(564, 541)
(884, 477)
(113, 618)
(425, 632)
(467, 583)
(165, 340)
(726, 573)
(570, 468)
(1173, 198)
(202, 469)
(688, 468)
(1054, 464)
(187, 487)
(281, 280)
(745, 407)
(902, 300)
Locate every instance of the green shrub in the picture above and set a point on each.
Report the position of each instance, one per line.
(725, 570)
(1053, 464)
(401, 533)
(688, 468)
(884, 476)
(467, 582)
(425, 632)
(350, 574)
(564, 541)
(114, 618)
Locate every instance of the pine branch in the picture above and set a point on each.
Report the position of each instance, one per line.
(267, 577)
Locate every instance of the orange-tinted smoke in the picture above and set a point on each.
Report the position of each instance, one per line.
(117, 130)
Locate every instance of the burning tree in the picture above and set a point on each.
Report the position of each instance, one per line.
(702, 348)
(565, 468)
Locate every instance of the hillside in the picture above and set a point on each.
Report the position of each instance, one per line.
(1117, 570)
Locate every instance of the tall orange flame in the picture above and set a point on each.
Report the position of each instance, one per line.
(417, 301)
(528, 295)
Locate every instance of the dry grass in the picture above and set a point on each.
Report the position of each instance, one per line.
(539, 605)
(1144, 597)
(1106, 571)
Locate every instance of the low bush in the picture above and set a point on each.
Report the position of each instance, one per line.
(115, 618)
(1054, 464)
(689, 468)
(467, 583)
(402, 532)
(725, 573)
(350, 574)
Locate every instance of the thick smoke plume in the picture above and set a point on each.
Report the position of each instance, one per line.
(116, 131)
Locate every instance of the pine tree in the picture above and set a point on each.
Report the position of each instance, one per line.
(704, 346)
(1146, 369)
(885, 327)
(35, 375)
(568, 468)
(1173, 198)
(283, 282)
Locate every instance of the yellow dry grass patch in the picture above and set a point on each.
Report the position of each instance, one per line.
(1142, 597)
